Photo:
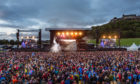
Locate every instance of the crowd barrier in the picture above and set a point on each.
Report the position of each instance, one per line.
(108, 49)
(30, 50)
(48, 49)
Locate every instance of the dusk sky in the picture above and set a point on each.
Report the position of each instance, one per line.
(36, 14)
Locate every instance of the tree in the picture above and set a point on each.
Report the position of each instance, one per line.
(12, 42)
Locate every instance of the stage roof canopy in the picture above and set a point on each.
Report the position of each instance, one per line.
(53, 29)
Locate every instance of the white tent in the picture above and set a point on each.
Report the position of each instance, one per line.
(133, 47)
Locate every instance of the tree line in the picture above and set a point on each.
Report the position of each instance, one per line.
(4, 41)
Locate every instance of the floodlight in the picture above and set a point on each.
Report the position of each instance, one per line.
(71, 33)
(109, 37)
(75, 33)
(80, 33)
(33, 37)
(67, 33)
(21, 37)
(63, 33)
(58, 33)
(27, 37)
(115, 37)
(104, 36)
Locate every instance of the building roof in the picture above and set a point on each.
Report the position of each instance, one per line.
(53, 29)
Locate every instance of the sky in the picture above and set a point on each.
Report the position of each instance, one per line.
(41, 14)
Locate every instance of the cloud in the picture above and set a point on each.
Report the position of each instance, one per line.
(8, 36)
(35, 14)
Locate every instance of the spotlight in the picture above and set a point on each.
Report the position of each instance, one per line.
(63, 33)
(109, 37)
(80, 33)
(115, 37)
(21, 37)
(75, 33)
(58, 33)
(71, 33)
(67, 33)
(33, 37)
(104, 37)
(27, 37)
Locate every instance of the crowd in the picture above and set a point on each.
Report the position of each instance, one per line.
(96, 67)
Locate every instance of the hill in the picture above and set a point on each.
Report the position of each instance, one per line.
(127, 28)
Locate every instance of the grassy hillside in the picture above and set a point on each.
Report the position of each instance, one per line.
(124, 28)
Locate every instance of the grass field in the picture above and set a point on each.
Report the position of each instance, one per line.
(130, 41)
(124, 41)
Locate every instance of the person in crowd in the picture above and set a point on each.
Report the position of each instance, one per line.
(96, 67)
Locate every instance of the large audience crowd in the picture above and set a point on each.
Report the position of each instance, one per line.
(96, 67)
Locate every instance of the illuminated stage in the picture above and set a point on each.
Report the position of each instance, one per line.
(68, 38)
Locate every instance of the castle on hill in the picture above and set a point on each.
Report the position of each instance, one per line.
(126, 17)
